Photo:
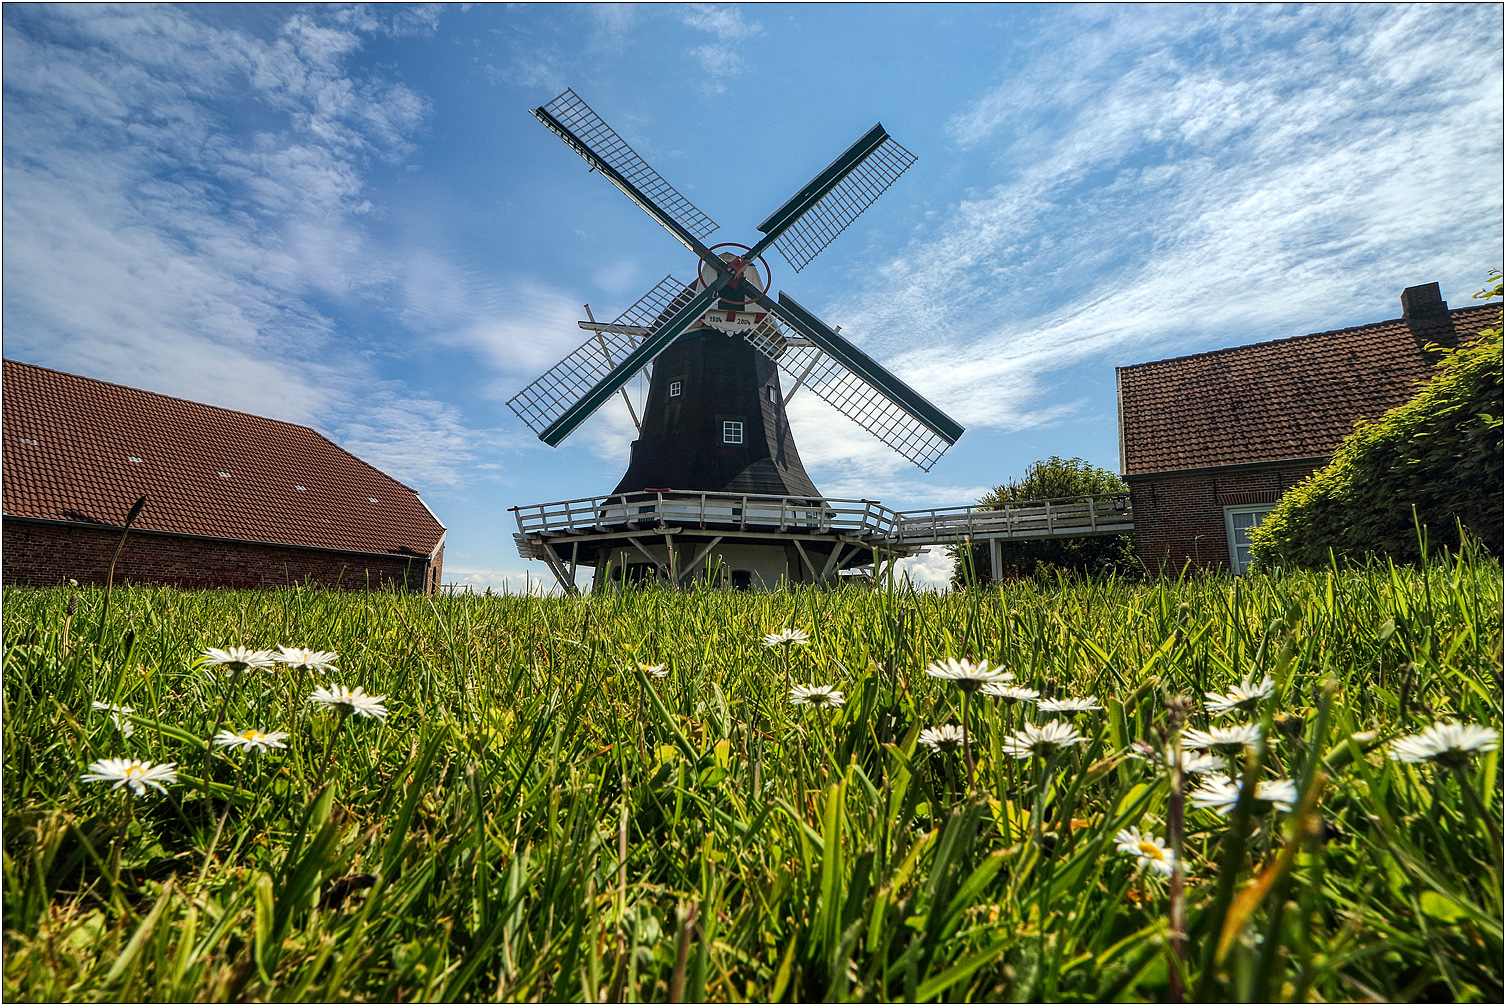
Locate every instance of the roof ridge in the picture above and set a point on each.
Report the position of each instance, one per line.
(218, 408)
(1436, 319)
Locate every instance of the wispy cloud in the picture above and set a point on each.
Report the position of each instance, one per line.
(1178, 179)
(181, 198)
(723, 57)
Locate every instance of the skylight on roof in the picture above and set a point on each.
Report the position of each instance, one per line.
(300, 489)
(224, 475)
(133, 459)
(373, 499)
(28, 440)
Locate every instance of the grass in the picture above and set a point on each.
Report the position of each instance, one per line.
(538, 820)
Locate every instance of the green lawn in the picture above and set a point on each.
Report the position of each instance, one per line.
(536, 819)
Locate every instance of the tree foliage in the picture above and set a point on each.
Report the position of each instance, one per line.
(1053, 478)
(1440, 453)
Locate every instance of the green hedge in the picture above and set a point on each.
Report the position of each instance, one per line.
(1440, 452)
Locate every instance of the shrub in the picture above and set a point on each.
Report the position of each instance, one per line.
(1053, 478)
(1439, 453)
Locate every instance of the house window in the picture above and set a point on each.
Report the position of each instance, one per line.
(674, 389)
(773, 394)
(1237, 521)
(732, 432)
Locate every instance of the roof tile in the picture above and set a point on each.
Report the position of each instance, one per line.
(78, 449)
(1290, 398)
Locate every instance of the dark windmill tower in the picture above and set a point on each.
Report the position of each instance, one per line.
(715, 488)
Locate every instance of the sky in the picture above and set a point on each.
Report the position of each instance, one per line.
(344, 216)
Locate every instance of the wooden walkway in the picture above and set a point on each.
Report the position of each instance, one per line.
(547, 528)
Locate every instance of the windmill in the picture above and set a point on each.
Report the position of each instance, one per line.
(713, 424)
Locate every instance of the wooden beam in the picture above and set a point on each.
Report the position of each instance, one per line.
(680, 577)
(557, 567)
(832, 561)
(995, 560)
(658, 567)
(808, 564)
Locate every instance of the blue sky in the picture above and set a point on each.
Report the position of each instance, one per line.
(345, 217)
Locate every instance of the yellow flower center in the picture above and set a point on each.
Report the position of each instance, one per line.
(134, 770)
(251, 735)
(1152, 850)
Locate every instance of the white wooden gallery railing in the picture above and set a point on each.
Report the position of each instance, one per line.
(1069, 517)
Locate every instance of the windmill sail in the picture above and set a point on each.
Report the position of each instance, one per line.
(547, 399)
(816, 214)
(850, 381)
(573, 121)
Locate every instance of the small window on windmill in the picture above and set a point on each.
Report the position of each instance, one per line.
(732, 432)
(674, 389)
(773, 394)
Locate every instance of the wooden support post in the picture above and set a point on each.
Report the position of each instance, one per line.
(557, 567)
(658, 566)
(697, 560)
(808, 564)
(995, 560)
(832, 561)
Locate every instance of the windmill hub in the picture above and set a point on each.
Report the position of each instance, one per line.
(713, 424)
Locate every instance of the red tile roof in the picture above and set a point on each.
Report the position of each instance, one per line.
(1291, 398)
(77, 449)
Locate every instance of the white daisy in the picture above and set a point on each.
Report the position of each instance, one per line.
(1192, 762)
(129, 772)
(654, 670)
(1082, 705)
(1244, 695)
(251, 741)
(1446, 743)
(1224, 740)
(1042, 740)
(947, 737)
(307, 660)
(820, 696)
(1149, 850)
(1010, 693)
(786, 637)
(966, 674)
(349, 701)
(1222, 793)
(118, 716)
(238, 658)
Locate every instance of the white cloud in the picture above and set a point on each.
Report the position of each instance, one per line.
(931, 570)
(535, 580)
(722, 58)
(180, 197)
(1162, 189)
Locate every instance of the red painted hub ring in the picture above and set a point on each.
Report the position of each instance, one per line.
(734, 244)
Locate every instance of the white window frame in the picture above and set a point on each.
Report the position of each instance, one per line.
(732, 431)
(773, 395)
(1239, 564)
(674, 389)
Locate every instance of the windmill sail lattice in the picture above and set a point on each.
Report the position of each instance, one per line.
(849, 393)
(584, 128)
(881, 160)
(549, 397)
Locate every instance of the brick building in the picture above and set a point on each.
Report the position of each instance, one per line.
(1208, 443)
(233, 500)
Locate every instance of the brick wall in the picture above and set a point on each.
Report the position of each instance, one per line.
(43, 554)
(1179, 517)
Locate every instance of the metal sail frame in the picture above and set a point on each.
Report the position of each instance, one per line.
(868, 394)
